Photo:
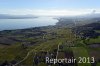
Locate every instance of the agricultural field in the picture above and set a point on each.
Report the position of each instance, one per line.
(30, 47)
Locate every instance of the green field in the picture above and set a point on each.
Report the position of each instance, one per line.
(39, 42)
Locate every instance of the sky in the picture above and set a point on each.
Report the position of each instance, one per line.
(49, 7)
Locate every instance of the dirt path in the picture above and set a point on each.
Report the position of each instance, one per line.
(24, 57)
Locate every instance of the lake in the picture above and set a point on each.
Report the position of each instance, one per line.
(9, 24)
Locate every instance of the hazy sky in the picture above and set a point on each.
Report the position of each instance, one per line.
(49, 7)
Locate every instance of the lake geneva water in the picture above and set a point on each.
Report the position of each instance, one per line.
(9, 24)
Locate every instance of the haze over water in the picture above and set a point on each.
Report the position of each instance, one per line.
(9, 24)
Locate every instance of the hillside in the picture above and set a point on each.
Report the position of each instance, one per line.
(27, 47)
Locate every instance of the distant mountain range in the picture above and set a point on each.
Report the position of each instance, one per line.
(7, 16)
